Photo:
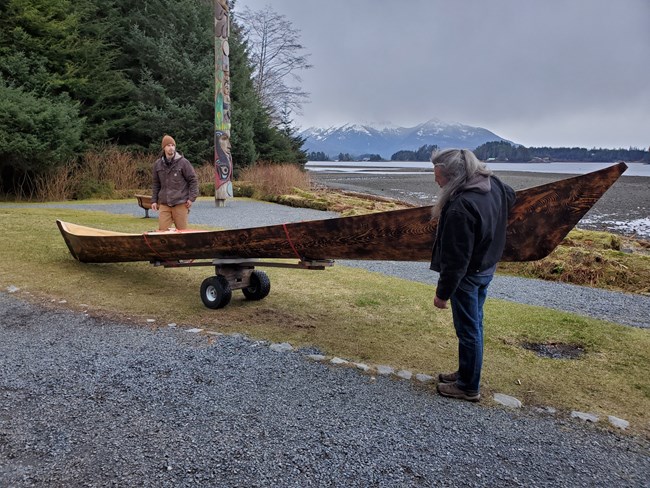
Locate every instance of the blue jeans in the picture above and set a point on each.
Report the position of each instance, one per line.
(467, 309)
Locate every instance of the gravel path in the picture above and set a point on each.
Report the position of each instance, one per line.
(89, 402)
(622, 308)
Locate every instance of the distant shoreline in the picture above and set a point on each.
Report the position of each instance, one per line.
(406, 167)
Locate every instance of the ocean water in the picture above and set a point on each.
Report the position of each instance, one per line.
(614, 223)
(414, 167)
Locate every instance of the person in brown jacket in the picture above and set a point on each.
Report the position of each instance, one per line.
(175, 187)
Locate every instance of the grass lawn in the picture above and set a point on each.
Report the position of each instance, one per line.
(345, 312)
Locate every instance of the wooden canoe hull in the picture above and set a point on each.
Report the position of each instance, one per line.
(541, 218)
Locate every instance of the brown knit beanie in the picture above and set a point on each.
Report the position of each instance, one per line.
(168, 140)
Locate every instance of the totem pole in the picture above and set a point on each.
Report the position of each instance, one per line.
(222, 157)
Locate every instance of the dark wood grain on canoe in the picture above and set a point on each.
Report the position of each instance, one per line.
(541, 218)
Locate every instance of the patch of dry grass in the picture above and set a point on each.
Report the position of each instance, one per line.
(592, 258)
(124, 169)
(110, 171)
(57, 184)
(272, 180)
(205, 174)
(345, 203)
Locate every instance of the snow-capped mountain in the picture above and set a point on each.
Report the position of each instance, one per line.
(357, 139)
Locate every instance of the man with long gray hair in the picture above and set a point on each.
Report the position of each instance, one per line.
(472, 212)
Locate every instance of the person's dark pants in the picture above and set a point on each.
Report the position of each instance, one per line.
(467, 309)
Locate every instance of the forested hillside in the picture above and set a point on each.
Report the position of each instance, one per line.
(77, 75)
(504, 151)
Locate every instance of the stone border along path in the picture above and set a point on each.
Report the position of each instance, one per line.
(385, 370)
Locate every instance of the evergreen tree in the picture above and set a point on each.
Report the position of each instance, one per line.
(103, 91)
(403, 155)
(36, 135)
(317, 156)
(168, 54)
(40, 125)
(370, 157)
(424, 152)
(287, 129)
(345, 157)
(500, 150)
(52, 47)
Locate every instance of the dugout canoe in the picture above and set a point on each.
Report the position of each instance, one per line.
(541, 218)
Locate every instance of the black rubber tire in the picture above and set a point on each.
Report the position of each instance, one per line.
(215, 292)
(260, 286)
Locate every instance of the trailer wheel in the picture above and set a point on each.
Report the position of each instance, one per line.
(260, 286)
(215, 292)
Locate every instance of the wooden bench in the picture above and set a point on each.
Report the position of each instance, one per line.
(144, 201)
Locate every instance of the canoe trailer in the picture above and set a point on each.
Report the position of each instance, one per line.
(238, 274)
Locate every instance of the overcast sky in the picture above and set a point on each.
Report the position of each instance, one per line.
(536, 72)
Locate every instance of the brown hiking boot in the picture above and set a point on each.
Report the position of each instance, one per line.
(451, 390)
(448, 377)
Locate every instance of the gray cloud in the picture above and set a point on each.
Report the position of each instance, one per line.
(552, 72)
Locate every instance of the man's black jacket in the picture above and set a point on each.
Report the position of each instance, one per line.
(471, 232)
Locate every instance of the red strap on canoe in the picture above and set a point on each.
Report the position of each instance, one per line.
(166, 261)
(286, 231)
(146, 241)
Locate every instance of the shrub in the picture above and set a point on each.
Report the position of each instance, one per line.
(106, 172)
(243, 189)
(56, 184)
(206, 189)
(91, 188)
(37, 134)
(117, 165)
(205, 175)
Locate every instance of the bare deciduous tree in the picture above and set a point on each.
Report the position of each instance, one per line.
(278, 57)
